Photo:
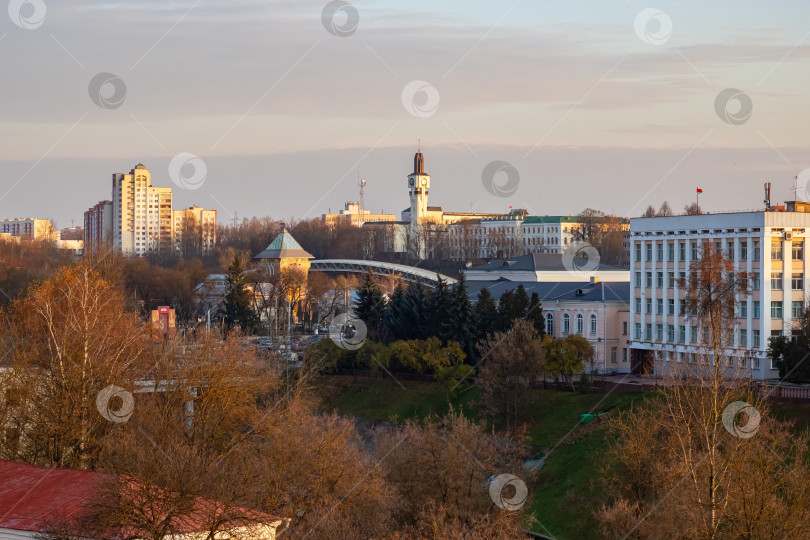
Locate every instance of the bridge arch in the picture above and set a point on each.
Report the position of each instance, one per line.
(409, 273)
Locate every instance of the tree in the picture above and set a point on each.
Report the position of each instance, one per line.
(789, 353)
(460, 326)
(717, 434)
(440, 308)
(394, 315)
(665, 210)
(370, 305)
(486, 314)
(650, 212)
(65, 341)
(512, 305)
(238, 304)
(567, 357)
(692, 209)
(509, 364)
(535, 315)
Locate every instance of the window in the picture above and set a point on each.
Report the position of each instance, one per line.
(798, 251)
(776, 281)
(671, 306)
(624, 355)
(566, 324)
(776, 310)
(755, 248)
(743, 338)
(649, 251)
(660, 305)
(670, 251)
(670, 280)
(694, 251)
(549, 324)
(638, 305)
(649, 305)
(659, 252)
(624, 328)
(744, 309)
(580, 323)
(649, 280)
(681, 334)
(756, 360)
(648, 332)
(638, 331)
(681, 251)
(756, 309)
(659, 332)
(796, 308)
(592, 320)
(671, 333)
(730, 249)
(638, 251)
(613, 355)
(755, 281)
(776, 250)
(743, 250)
(638, 279)
(797, 283)
(659, 280)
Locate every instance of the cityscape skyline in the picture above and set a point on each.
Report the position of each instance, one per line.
(285, 106)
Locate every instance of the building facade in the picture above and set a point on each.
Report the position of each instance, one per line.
(194, 230)
(31, 228)
(352, 214)
(98, 227)
(770, 245)
(142, 213)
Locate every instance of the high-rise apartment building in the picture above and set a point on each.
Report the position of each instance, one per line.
(770, 245)
(142, 213)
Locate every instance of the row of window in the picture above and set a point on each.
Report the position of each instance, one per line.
(682, 334)
(796, 308)
(691, 358)
(579, 322)
(657, 254)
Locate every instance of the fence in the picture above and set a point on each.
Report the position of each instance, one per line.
(783, 392)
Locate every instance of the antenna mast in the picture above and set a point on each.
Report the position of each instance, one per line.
(362, 184)
(767, 196)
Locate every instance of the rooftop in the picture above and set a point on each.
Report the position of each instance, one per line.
(284, 246)
(537, 262)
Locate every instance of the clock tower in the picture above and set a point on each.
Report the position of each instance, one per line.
(418, 186)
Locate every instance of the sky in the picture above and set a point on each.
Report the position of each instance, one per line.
(273, 108)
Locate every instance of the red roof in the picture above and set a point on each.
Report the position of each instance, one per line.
(33, 497)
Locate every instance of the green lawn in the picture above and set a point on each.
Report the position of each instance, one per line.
(385, 398)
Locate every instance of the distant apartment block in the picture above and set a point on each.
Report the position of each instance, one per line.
(195, 230)
(98, 227)
(31, 228)
(770, 245)
(352, 214)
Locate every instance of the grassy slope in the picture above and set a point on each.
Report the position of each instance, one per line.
(565, 492)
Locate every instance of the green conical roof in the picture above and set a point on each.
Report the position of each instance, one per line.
(284, 246)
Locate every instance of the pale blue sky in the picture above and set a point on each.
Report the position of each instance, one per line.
(567, 92)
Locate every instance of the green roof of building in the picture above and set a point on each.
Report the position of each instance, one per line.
(284, 246)
(551, 219)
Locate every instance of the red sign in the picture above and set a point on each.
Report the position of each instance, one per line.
(163, 309)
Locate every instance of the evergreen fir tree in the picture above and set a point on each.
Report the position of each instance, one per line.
(440, 305)
(505, 303)
(414, 320)
(486, 314)
(460, 325)
(394, 315)
(535, 315)
(370, 305)
(238, 310)
(520, 303)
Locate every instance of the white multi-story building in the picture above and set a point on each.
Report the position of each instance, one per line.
(769, 245)
(142, 213)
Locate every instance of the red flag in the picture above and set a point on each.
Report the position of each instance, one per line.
(699, 190)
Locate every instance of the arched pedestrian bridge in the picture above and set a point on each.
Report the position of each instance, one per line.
(410, 273)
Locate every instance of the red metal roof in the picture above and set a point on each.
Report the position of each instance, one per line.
(33, 497)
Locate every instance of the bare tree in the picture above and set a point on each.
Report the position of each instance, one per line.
(650, 212)
(665, 210)
(692, 209)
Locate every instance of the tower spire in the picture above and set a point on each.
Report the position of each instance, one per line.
(418, 161)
